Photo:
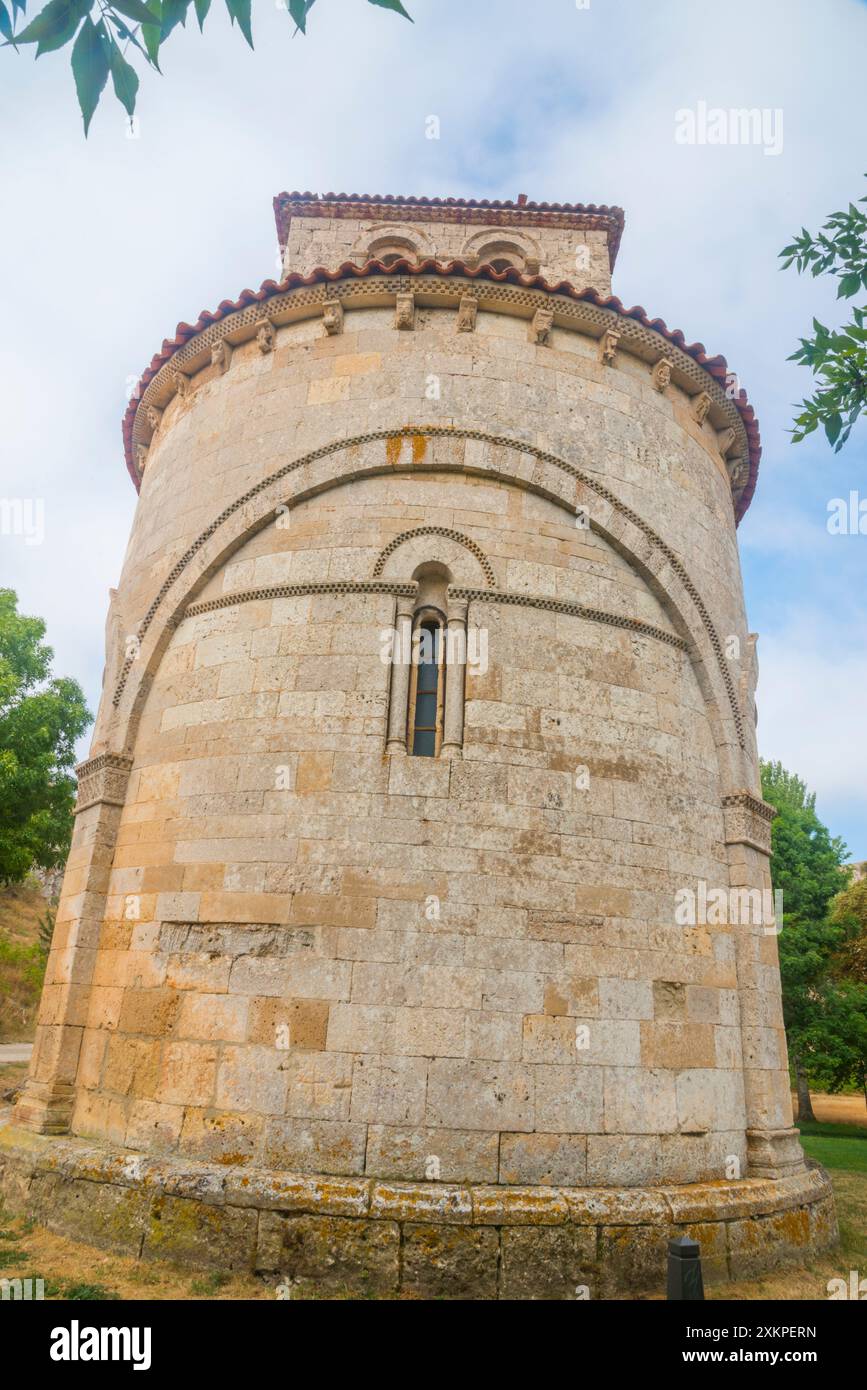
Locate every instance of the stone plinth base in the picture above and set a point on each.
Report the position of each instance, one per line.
(433, 1240)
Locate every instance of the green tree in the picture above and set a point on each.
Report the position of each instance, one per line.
(849, 911)
(806, 863)
(40, 719)
(836, 357)
(105, 34)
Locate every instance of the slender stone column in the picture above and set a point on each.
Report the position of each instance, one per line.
(456, 669)
(46, 1102)
(400, 671)
(773, 1150)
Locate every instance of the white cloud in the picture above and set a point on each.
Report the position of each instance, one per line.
(811, 701)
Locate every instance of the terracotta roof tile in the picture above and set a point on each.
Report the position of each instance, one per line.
(716, 365)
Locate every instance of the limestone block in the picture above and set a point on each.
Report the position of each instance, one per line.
(550, 1160)
(639, 1100)
(479, 1095)
(546, 1263)
(314, 1146)
(389, 1090)
(330, 1253)
(420, 1154)
(569, 1098)
(189, 1233)
(449, 1261)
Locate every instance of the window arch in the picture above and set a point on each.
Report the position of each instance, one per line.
(428, 668)
(427, 686)
(502, 255)
(391, 248)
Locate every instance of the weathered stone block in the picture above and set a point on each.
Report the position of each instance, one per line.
(549, 1263)
(449, 1261)
(330, 1253)
(197, 1234)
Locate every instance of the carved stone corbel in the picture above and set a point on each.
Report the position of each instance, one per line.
(154, 417)
(738, 469)
(467, 310)
(181, 383)
(141, 458)
(532, 265)
(661, 374)
(265, 336)
(608, 345)
(725, 439)
(540, 327)
(221, 356)
(748, 820)
(700, 406)
(102, 779)
(332, 317)
(404, 313)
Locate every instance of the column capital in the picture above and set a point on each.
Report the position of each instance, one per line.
(748, 820)
(102, 779)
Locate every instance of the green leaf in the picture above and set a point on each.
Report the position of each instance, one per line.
(124, 79)
(392, 5)
(152, 34)
(240, 10)
(90, 67)
(299, 9)
(833, 426)
(5, 23)
(54, 25)
(849, 284)
(135, 9)
(202, 7)
(126, 34)
(173, 12)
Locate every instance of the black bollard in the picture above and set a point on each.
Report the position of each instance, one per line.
(684, 1270)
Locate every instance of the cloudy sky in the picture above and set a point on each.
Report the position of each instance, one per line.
(108, 243)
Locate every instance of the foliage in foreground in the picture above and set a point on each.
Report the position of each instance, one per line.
(836, 357)
(105, 34)
(824, 1003)
(41, 717)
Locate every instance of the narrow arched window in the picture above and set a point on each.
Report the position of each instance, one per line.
(428, 687)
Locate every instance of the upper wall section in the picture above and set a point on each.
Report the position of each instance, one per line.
(561, 241)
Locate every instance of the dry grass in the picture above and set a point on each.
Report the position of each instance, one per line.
(12, 1078)
(839, 1110)
(76, 1271)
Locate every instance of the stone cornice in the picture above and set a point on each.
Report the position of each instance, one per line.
(347, 586)
(327, 586)
(437, 285)
(577, 610)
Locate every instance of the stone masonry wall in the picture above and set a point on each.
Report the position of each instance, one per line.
(281, 870)
(572, 254)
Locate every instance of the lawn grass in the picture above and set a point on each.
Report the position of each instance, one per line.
(839, 1148)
